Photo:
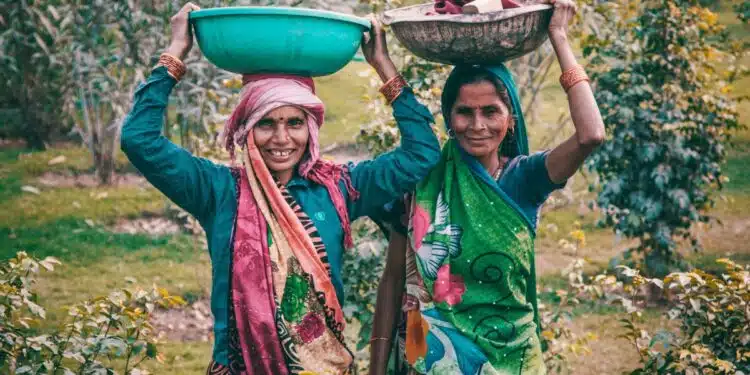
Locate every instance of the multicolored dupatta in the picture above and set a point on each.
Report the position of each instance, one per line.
(470, 282)
(284, 314)
(289, 320)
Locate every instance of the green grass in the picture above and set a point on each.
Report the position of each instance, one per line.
(178, 358)
(707, 261)
(19, 167)
(184, 274)
(77, 160)
(182, 358)
(736, 168)
(611, 354)
(344, 96)
(99, 204)
(728, 18)
(74, 241)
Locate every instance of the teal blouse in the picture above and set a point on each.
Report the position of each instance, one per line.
(207, 190)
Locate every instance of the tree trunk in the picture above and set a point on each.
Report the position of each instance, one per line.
(34, 141)
(105, 168)
(32, 129)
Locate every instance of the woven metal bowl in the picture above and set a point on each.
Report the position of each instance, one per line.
(486, 39)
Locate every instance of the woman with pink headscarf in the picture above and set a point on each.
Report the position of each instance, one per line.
(277, 224)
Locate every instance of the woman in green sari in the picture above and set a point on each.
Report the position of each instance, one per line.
(468, 256)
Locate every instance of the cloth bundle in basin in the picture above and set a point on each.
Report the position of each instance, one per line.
(482, 39)
(298, 41)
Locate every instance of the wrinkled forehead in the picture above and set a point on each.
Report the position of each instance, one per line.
(478, 95)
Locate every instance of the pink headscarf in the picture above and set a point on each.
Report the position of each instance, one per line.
(263, 93)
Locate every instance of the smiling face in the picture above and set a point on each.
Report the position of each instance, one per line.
(480, 119)
(282, 136)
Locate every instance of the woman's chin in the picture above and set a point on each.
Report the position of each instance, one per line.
(477, 151)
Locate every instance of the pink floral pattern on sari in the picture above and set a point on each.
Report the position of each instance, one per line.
(448, 288)
(420, 225)
(310, 328)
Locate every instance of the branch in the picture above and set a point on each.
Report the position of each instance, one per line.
(538, 87)
(130, 352)
(84, 104)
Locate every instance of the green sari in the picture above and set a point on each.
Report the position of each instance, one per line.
(471, 305)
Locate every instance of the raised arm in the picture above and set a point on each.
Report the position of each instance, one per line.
(184, 178)
(565, 159)
(388, 305)
(391, 175)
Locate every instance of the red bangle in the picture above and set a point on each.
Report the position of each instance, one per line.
(175, 67)
(572, 77)
(392, 89)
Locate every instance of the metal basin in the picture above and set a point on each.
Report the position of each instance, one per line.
(485, 39)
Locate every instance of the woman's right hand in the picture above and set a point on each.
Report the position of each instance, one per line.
(375, 50)
(182, 33)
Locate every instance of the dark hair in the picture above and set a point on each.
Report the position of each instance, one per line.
(469, 75)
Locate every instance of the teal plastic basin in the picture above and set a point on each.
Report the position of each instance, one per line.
(278, 39)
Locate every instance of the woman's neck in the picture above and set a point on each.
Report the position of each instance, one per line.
(490, 162)
(283, 177)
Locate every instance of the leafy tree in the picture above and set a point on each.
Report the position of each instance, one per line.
(32, 76)
(743, 11)
(112, 47)
(668, 112)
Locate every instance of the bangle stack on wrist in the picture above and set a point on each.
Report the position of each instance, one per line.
(572, 77)
(175, 67)
(392, 89)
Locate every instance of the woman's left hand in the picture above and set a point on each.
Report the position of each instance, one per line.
(375, 49)
(565, 11)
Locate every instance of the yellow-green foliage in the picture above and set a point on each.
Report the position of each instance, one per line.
(97, 331)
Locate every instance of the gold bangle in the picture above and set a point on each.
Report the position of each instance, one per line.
(175, 67)
(392, 89)
(572, 77)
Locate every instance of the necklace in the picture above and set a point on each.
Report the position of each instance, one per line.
(496, 175)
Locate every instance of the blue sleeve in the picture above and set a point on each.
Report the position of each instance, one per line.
(391, 175)
(185, 179)
(528, 181)
(392, 217)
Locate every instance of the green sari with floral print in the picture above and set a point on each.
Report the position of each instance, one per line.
(471, 305)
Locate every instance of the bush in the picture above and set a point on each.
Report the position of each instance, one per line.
(99, 335)
(713, 318)
(668, 114)
(559, 342)
(364, 268)
(743, 11)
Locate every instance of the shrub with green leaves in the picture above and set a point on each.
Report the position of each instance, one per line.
(712, 316)
(714, 313)
(100, 335)
(668, 113)
(743, 10)
(364, 268)
(559, 341)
